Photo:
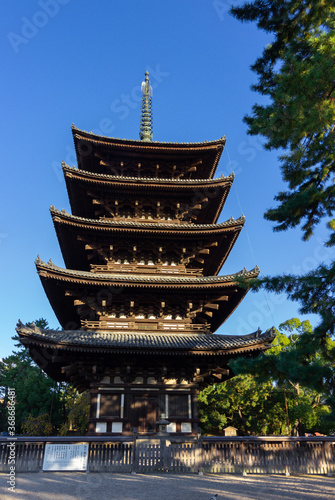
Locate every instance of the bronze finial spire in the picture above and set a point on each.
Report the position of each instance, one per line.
(146, 110)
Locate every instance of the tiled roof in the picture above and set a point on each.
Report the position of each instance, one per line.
(138, 142)
(139, 180)
(199, 280)
(148, 341)
(147, 225)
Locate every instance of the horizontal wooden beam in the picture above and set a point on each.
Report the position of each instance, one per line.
(212, 306)
(213, 244)
(199, 259)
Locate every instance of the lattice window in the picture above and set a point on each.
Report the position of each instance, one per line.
(110, 405)
(178, 405)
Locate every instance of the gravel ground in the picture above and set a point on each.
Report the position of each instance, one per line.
(101, 486)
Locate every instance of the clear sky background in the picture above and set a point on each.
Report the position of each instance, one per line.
(82, 62)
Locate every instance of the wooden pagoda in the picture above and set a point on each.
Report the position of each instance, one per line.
(140, 296)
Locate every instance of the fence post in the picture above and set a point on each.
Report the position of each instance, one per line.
(135, 458)
(244, 472)
(199, 466)
(165, 445)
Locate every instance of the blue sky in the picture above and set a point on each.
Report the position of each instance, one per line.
(69, 61)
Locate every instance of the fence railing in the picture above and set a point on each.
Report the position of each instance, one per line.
(239, 455)
(144, 325)
(145, 269)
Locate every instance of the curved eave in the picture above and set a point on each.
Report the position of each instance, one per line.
(50, 270)
(57, 283)
(170, 343)
(69, 227)
(154, 182)
(147, 227)
(209, 151)
(51, 350)
(79, 184)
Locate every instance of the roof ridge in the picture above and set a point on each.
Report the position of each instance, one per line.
(135, 339)
(139, 142)
(139, 277)
(231, 176)
(228, 222)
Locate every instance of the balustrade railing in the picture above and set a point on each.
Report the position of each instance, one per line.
(144, 325)
(238, 455)
(145, 269)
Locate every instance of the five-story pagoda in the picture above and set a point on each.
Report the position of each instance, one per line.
(140, 297)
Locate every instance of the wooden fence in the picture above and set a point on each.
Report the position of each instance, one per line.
(238, 455)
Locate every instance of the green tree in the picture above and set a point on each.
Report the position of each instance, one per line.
(298, 371)
(296, 75)
(273, 399)
(78, 410)
(37, 426)
(240, 402)
(36, 393)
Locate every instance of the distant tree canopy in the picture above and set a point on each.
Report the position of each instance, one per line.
(42, 405)
(276, 398)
